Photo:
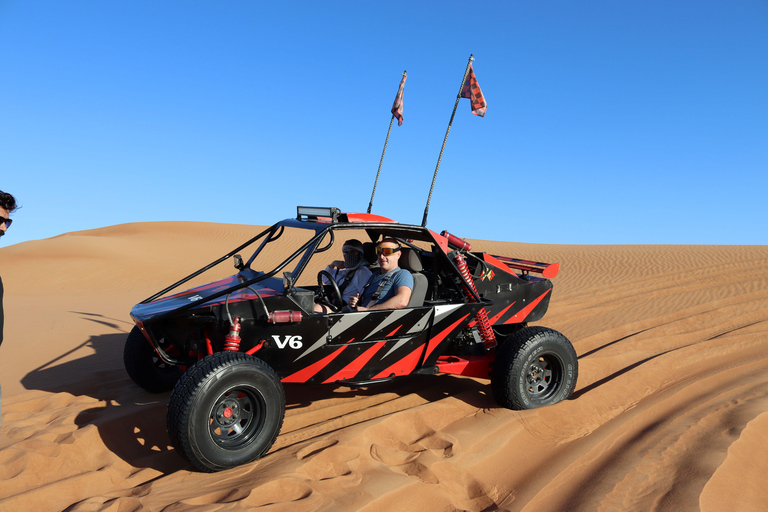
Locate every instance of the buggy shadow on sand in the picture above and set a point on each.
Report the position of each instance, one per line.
(225, 348)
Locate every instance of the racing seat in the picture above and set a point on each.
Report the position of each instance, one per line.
(409, 260)
(369, 252)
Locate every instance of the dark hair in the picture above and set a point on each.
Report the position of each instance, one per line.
(7, 201)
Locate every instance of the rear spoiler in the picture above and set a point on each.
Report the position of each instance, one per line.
(548, 270)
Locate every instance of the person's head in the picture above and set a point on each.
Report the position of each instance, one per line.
(388, 252)
(7, 205)
(353, 252)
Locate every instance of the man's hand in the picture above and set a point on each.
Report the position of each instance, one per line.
(353, 301)
(337, 264)
(399, 301)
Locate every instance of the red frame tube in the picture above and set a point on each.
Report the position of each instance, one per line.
(456, 242)
(548, 270)
(469, 366)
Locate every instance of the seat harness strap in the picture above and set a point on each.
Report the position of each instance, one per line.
(382, 284)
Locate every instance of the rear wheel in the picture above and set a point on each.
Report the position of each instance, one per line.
(226, 410)
(535, 367)
(145, 367)
(503, 332)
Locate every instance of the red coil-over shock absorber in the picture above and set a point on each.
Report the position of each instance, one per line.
(483, 324)
(232, 340)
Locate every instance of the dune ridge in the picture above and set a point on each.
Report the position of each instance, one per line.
(670, 408)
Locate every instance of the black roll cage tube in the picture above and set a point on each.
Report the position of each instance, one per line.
(271, 238)
(207, 267)
(311, 244)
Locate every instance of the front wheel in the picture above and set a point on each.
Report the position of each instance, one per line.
(226, 410)
(145, 367)
(535, 367)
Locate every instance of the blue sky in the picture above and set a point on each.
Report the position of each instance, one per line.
(608, 122)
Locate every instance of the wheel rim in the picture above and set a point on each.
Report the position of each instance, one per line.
(544, 377)
(236, 417)
(161, 366)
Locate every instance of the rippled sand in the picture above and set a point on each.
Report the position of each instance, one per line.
(670, 411)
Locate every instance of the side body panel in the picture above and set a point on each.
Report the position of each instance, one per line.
(366, 346)
(515, 299)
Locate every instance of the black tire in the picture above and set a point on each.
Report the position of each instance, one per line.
(226, 410)
(145, 367)
(535, 367)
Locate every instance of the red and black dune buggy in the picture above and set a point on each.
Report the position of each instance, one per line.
(225, 348)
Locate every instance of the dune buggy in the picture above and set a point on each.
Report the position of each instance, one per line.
(225, 348)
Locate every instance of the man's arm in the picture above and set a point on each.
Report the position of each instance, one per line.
(357, 284)
(399, 301)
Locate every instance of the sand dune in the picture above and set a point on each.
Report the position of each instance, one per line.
(670, 411)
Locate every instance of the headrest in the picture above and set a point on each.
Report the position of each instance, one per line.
(409, 259)
(369, 251)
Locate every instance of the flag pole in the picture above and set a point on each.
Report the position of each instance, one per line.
(370, 204)
(458, 97)
(386, 141)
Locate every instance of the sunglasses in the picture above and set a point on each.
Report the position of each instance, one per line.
(5, 221)
(387, 251)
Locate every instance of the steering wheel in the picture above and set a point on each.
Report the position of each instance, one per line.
(334, 300)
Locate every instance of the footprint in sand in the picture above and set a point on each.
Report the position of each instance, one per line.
(223, 496)
(13, 462)
(278, 491)
(325, 459)
(414, 458)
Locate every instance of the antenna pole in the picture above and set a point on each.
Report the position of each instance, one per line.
(458, 97)
(386, 141)
(370, 204)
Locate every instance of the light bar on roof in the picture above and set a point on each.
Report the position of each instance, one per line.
(316, 212)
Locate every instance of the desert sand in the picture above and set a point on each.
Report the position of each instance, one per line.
(670, 411)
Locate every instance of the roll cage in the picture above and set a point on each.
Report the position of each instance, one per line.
(375, 226)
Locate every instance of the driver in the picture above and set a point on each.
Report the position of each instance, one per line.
(351, 274)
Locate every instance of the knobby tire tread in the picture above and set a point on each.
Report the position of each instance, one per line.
(179, 412)
(512, 353)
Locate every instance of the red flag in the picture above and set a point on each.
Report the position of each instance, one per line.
(472, 91)
(397, 106)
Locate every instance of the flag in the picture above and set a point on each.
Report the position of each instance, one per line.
(472, 91)
(397, 106)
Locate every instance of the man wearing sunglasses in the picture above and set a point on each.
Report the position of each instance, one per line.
(7, 205)
(390, 289)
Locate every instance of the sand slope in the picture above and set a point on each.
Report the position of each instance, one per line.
(670, 413)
